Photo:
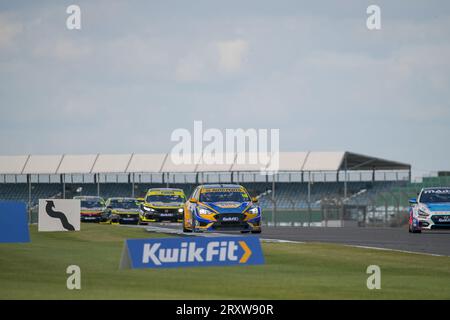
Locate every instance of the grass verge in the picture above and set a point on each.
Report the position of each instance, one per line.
(292, 271)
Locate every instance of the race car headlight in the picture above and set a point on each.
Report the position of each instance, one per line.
(202, 211)
(254, 210)
(180, 210)
(423, 213)
(148, 209)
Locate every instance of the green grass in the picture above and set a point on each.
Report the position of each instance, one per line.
(287, 215)
(292, 271)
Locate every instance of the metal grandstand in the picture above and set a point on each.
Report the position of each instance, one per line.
(162, 163)
(30, 177)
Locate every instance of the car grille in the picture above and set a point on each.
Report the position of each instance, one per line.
(128, 215)
(229, 219)
(167, 210)
(441, 219)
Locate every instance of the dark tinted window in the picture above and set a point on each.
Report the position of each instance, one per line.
(236, 196)
(91, 204)
(124, 204)
(164, 198)
(435, 196)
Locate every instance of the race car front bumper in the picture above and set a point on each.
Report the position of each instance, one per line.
(161, 215)
(433, 221)
(91, 217)
(125, 218)
(231, 222)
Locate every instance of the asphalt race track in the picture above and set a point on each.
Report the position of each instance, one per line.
(434, 242)
(430, 242)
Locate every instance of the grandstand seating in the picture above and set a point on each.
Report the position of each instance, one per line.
(295, 195)
(19, 191)
(398, 195)
(289, 195)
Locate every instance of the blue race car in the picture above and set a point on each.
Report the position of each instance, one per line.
(431, 210)
(221, 207)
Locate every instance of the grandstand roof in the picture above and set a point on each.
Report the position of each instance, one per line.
(155, 163)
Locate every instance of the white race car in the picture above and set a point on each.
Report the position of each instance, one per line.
(431, 210)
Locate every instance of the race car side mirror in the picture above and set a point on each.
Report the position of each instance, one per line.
(193, 200)
(413, 201)
(254, 199)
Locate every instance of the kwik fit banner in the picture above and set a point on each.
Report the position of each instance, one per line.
(191, 252)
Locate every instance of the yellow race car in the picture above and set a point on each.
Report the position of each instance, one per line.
(140, 201)
(121, 211)
(162, 204)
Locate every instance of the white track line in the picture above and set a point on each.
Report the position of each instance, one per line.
(209, 234)
(280, 241)
(395, 250)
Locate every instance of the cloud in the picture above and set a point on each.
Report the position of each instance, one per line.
(9, 30)
(190, 68)
(232, 55)
(139, 71)
(63, 50)
(212, 60)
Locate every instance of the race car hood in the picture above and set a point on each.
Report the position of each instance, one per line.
(228, 206)
(126, 211)
(88, 210)
(438, 207)
(164, 204)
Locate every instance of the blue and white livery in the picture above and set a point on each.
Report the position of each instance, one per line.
(431, 210)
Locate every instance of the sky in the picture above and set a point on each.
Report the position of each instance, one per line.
(138, 70)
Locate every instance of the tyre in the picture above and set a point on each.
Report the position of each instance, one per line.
(184, 227)
(245, 231)
(194, 229)
(412, 230)
(256, 231)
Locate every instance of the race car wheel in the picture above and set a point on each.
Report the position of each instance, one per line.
(245, 231)
(185, 229)
(256, 231)
(412, 230)
(194, 229)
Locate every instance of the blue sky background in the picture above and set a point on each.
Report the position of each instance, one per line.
(140, 69)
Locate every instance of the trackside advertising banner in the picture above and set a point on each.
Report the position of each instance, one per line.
(191, 252)
(13, 222)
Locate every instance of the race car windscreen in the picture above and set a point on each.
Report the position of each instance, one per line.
(89, 204)
(124, 204)
(221, 196)
(435, 196)
(165, 198)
